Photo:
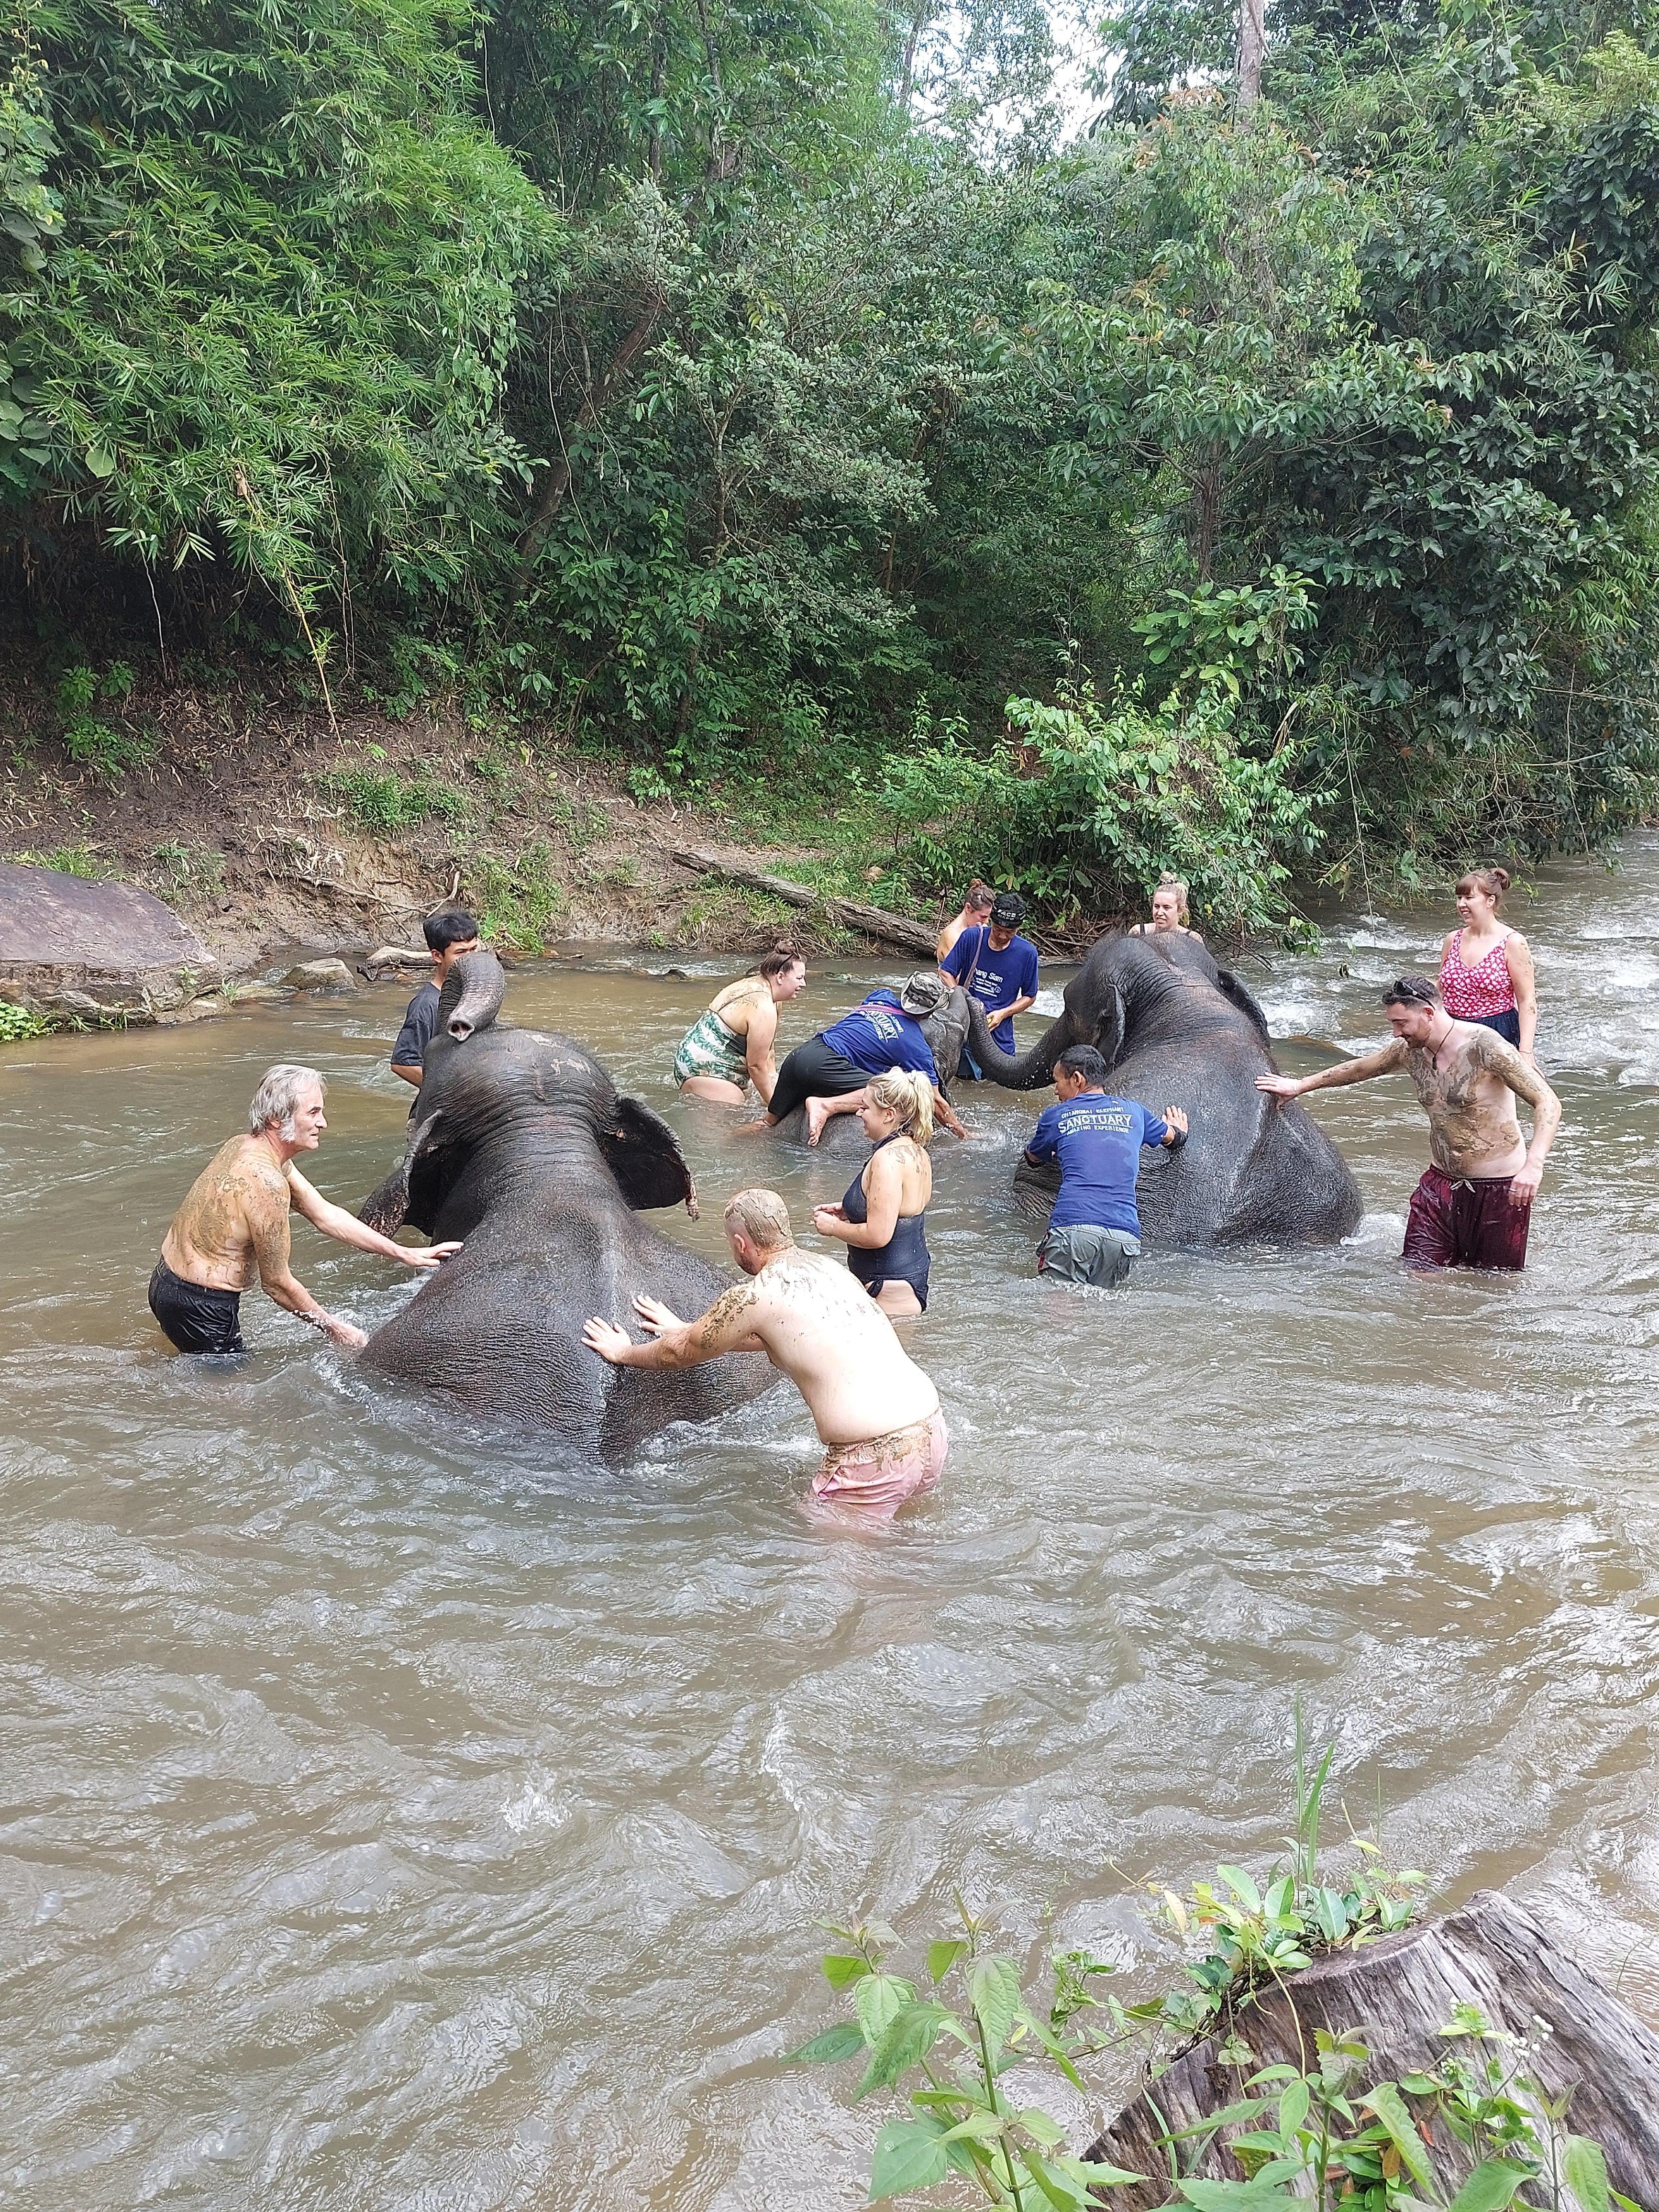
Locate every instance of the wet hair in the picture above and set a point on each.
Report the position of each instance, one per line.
(1411, 991)
(762, 1216)
(451, 925)
(978, 894)
(1083, 1060)
(778, 962)
(1179, 885)
(277, 1099)
(910, 1096)
(1493, 881)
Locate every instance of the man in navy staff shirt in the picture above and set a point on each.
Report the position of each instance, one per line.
(449, 933)
(997, 969)
(827, 1074)
(1094, 1232)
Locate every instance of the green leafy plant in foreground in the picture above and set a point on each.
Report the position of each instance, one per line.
(20, 1023)
(961, 2123)
(1329, 2132)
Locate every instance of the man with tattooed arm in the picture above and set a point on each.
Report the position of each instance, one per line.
(875, 1410)
(1473, 1207)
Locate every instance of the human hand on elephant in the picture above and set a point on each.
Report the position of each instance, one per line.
(428, 1255)
(610, 1342)
(655, 1316)
(345, 1333)
(1280, 1087)
(1177, 1121)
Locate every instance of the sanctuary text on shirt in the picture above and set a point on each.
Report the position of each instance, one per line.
(1098, 1142)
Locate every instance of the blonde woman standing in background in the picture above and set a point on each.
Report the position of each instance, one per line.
(1171, 915)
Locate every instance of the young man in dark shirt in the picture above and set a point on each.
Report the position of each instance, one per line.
(1094, 1232)
(997, 968)
(449, 933)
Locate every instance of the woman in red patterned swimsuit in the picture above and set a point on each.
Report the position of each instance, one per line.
(1486, 969)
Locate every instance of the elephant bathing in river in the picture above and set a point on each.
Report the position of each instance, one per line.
(519, 1145)
(1176, 1031)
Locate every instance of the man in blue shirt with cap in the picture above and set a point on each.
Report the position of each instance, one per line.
(1094, 1232)
(997, 969)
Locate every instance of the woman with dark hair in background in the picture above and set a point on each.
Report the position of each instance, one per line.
(730, 1046)
(1485, 968)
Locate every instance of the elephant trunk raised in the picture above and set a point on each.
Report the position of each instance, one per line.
(1175, 1029)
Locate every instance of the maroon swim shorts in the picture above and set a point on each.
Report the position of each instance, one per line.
(1465, 1224)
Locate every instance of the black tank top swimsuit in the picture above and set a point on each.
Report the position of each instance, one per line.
(904, 1258)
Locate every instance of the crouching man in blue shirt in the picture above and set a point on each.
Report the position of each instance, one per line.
(1094, 1232)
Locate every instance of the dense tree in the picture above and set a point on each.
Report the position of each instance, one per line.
(745, 383)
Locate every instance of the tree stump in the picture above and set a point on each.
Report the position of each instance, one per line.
(1398, 1993)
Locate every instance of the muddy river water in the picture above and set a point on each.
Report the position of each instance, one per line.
(394, 1818)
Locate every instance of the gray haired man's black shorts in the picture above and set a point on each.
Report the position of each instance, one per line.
(194, 1316)
(1084, 1253)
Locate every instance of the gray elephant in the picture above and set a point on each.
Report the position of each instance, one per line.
(1176, 1031)
(946, 1031)
(519, 1145)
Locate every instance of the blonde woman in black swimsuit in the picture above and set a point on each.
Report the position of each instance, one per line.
(880, 1220)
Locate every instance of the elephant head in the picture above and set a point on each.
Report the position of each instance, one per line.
(1124, 983)
(502, 1095)
(946, 1031)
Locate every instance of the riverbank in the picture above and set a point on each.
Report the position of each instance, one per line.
(270, 827)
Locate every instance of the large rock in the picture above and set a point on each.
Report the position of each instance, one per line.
(320, 975)
(65, 942)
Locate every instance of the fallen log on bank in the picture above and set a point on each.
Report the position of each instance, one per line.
(873, 921)
(1399, 1993)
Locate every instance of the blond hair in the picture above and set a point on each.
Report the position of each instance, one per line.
(910, 1096)
(762, 1216)
(1178, 884)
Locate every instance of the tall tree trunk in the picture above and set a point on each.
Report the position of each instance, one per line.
(556, 482)
(1252, 43)
(907, 74)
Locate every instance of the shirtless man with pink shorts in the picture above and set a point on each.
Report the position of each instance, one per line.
(876, 1411)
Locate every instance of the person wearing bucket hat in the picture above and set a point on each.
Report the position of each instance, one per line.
(827, 1074)
(998, 968)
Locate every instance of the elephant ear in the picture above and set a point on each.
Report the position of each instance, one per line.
(1109, 1040)
(414, 1191)
(1230, 987)
(642, 1153)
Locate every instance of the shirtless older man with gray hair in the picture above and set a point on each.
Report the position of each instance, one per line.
(233, 1226)
(1473, 1206)
(872, 1406)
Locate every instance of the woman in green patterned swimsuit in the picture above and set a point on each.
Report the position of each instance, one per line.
(731, 1045)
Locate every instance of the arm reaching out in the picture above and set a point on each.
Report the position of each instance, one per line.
(726, 1327)
(334, 1221)
(1383, 1061)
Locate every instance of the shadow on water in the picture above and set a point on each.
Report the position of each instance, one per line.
(401, 1815)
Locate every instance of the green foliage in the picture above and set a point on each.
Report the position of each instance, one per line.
(91, 862)
(650, 376)
(518, 902)
(18, 1024)
(90, 741)
(1327, 2133)
(381, 801)
(1100, 802)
